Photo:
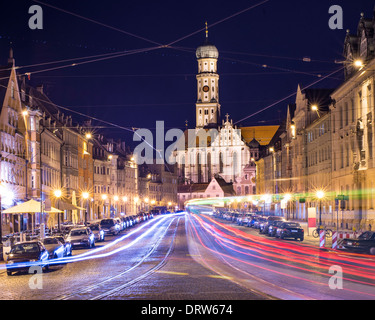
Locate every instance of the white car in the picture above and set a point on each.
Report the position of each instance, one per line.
(81, 237)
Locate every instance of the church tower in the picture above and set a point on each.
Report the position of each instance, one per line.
(207, 106)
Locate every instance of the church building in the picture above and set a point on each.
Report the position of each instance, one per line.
(218, 149)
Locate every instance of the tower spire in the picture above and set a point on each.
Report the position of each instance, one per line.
(206, 30)
(11, 58)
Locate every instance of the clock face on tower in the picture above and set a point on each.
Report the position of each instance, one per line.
(206, 89)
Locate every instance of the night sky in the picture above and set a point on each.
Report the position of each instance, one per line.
(137, 90)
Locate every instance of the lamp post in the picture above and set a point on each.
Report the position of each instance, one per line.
(125, 199)
(104, 198)
(320, 196)
(287, 197)
(86, 196)
(315, 107)
(116, 198)
(58, 194)
(136, 199)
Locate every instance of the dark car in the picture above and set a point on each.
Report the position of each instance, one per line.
(270, 220)
(272, 228)
(110, 226)
(67, 246)
(22, 255)
(290, 230)
(257, 221)
(365, 243)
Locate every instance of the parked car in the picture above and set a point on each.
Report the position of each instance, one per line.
(98, 232)
(121, 223)
(110, 226)
(54, 247)
(258, 221)
(290, 230)
(67, 246)
(264, 226)
(273, 225)
(365, 243)
(125, 222)
(81, 237)
(27, 252)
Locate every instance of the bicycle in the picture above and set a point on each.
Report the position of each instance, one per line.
(316, 232)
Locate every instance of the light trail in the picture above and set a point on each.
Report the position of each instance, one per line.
(89, 288)
(223, 255)
(282, 254)
(95, 253)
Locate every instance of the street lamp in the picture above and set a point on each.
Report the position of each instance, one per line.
(58, 194)
(125, 199)
(287, 198)
(315, 107)
(320, 196)
(136, 199)
(116, 198)
(104, 198)
(86, 196)
(293, 129)
(358, 63)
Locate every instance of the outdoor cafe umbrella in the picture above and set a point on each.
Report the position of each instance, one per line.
(31, 206)
(64, 205)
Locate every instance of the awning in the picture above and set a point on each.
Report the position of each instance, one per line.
(31, 206)
(64, 205)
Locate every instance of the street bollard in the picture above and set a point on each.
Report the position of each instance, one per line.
(322, 236)
(334, 240)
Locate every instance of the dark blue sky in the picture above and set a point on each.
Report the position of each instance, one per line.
(139, 89)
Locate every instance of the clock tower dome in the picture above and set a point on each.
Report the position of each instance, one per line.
(207, 106)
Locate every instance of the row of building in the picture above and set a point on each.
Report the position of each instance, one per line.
(47, 156)
(322, 156)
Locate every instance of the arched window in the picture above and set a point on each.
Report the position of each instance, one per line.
(209, 172)
(199, 168)
(221, 163)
